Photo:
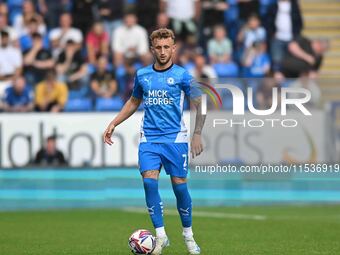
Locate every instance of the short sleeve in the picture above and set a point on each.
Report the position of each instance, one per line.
(211, 47)
(190, 86)
(89, 39)
(137, 89)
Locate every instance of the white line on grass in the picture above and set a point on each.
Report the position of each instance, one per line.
(204, 214)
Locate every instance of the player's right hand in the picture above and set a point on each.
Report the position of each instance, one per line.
(108, 134)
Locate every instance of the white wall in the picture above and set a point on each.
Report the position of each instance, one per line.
(22, 134)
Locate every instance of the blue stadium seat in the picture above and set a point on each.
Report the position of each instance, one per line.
(226, 70)
(109, 104)
(78, 105)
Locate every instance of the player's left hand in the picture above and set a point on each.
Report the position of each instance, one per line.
(108, 134)
(196, 145)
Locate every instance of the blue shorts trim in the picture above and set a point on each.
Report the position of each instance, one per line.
(172, 156)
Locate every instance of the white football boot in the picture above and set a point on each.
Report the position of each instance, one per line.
(161, 242)
(192, 246)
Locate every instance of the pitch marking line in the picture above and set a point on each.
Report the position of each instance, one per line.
(204, 214)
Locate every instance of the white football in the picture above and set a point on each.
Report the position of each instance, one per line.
(142, 242)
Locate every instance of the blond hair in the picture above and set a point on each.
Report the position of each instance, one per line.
(162, 33)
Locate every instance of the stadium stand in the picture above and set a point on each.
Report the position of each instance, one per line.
(234, 38)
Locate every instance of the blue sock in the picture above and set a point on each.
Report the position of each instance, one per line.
(153, 201)
(184, 206)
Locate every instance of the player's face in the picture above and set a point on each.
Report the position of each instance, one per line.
(163, 49)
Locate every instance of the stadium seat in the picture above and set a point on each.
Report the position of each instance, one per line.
(78, 105)
(109, 104)
(226, 70)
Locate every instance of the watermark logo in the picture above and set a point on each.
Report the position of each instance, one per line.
(244, 103)
(208, 90)
(239, 99)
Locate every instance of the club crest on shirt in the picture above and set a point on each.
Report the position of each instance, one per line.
(170, 81)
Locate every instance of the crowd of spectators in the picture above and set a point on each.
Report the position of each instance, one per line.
(82, 55)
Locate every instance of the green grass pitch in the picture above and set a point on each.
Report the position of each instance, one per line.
(272, 230)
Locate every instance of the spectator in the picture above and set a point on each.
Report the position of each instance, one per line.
(201, 70)
(182, 14)
(251, 33)
(13, 35)
(248, 8)
(284, 24)
(49, 155)
(97, 42)
(127, 78)
(52, 10)
(130, 40)
(37, 60)
(72, 69)
(103, 82)
(257, 61)
(21, 21)
(304, 57)
(59, 36)
(3, 8)
(186, 55)
(50, 95)
(264, 11)
(110, 12)
(18, 98)
(219, 47)
(86, 10)
(26, 41)
(212, 15)
(10, 61)
(162, 20)
(231, 20)
(15, 8)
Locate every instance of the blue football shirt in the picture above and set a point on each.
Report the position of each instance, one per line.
(163, 93)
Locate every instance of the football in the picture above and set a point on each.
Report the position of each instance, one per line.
(142, 242)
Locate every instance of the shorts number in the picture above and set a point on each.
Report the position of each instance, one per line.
(185, 164)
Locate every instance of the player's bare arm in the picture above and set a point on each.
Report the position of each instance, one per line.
(196, 142)
(128, 109)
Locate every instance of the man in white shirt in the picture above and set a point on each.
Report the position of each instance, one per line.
(182, 14)
(10, 62)
(59, 36)
(130, 40)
